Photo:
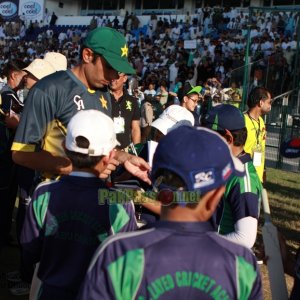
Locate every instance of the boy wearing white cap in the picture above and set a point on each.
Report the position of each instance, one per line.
(38, 69)
(66, 219)
(172, 117)
(57, 60)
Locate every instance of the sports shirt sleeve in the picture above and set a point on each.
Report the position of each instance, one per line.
(242, 199)
(122, 217)
(9, 102)
(245, 231)
(33, 229)
(136, 110)
(249, 280)
(113, 274)
(96, 284)
(38, 113)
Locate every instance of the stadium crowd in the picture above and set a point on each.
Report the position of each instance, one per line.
(158, 84)
(157, 49)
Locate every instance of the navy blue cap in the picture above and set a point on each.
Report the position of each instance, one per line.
(224, 116)
(200, 156)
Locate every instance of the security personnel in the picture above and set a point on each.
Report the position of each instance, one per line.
(125, 113)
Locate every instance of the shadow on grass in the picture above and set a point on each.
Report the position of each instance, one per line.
(285, 191)
(292, 181)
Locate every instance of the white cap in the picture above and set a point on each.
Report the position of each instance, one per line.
(40, 68)
(173, 117)
(97, 128)
(57, 60)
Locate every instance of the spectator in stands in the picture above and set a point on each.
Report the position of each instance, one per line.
(150, 90)
(162, 93)
(53, 19)
(189, 98)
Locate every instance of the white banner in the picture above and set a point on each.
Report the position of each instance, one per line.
(190, 44)
(31, 9)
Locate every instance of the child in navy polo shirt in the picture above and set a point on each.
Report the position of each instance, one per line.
(69, 218)
(181, 256)
(238, 215)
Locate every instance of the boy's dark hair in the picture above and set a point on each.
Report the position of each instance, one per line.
(80, 160)
(163, 83)
(239, 136)
(169, 178)
(13, 66)
(257, 94)
(185, 91)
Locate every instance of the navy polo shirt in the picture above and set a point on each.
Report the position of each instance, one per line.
(172, 260)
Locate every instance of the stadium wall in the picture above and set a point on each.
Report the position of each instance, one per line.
(63, 7)
(85, 20)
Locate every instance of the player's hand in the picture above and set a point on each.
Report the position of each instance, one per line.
(110, 167)
(134, 165)
(138, 167)
(12, 121)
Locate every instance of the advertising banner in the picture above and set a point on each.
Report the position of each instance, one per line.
(190, 44)
(31, 9)
(9, 9)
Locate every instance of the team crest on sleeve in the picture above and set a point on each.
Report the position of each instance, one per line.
(124, 51)
(129, 105)
(79, 102)
(103, 102)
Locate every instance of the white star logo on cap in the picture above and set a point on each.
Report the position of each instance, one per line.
(124, 51)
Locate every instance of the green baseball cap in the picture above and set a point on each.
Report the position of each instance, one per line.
(111, 44)
(188, 89)
(193, 89)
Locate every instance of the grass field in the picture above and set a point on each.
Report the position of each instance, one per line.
(284, 195)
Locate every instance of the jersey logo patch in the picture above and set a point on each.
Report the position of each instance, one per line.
(79, 102)
(129, 105)
(103, 102)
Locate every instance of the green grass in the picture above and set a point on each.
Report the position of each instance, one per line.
(284, 196)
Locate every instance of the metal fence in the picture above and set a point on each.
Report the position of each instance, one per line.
(279, 71)
(282, 123)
